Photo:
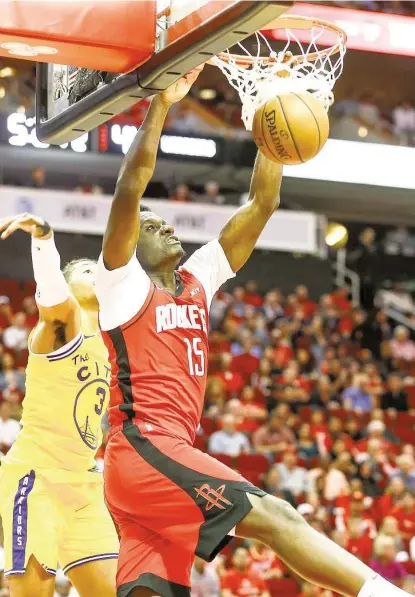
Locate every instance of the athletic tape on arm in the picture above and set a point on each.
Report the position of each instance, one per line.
(52, 288)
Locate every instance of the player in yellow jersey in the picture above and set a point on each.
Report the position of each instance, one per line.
(51, 496)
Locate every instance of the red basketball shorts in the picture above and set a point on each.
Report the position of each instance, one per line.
(170, 502)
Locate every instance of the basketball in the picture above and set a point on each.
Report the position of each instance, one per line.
(291, 128)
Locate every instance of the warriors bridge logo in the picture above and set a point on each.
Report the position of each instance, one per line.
(213, 497)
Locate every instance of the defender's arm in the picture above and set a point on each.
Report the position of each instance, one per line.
(59, 313)
(240, 234)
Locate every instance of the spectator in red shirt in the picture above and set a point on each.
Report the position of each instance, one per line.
(252, 296)
(404, 512)
(308, 306)
(358, 543)
(292, 387)
(340, 299)
(246, 363)
(283, 352)
(30, 309)
(335, 429)
(375, 430)
(6, 313)
(355, 508)
(181, 193)
(264, 562)
(273, 437)
(253, 408)
(291, 304)
(233, 380)
(238, 581)
(318, 422)
(392, 496)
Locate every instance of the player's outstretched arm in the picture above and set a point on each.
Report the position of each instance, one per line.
(59, 312)
(240, 234)
(123, 228)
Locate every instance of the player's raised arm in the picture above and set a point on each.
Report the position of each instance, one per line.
(59, 312)
(123, 228)
(240, 234)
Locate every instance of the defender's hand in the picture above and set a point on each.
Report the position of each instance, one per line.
(179, 90)
(29, 223)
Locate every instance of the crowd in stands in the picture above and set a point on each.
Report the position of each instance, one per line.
(395, 125)
(314, 401)
(401, 7)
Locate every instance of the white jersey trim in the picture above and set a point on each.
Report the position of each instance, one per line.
(123, 292)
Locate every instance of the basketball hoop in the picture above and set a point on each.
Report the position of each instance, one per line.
(299, 67)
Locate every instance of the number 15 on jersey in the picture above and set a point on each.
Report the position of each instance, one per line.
(195, 357)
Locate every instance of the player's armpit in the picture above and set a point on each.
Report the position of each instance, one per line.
(240, 234)
(57, 326)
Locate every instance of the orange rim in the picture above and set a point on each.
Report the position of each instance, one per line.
(291, 22)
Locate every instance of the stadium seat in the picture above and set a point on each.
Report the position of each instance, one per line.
(29, 288)
(404, 419)
(256, 462)
(405, 434)
(11, 289)
(208, 426)
(305, 413)
(411, 395)
(225, 459)
(200, 443)
(284, 587)
(253, 467)
(410, 567)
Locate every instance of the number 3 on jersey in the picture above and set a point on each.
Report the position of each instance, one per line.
(195, 356)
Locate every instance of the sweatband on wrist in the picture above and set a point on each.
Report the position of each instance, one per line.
(52, 288)
(45, 228)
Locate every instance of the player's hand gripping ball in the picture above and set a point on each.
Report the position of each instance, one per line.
(291, 128)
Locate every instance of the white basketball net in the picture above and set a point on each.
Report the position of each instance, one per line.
(310, 70)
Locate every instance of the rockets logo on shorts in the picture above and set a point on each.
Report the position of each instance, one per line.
(213, 497)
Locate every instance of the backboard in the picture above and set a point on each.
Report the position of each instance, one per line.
(71, 100)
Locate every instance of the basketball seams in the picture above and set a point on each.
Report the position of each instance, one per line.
(261, 120)
(314, 118)
(289, 129)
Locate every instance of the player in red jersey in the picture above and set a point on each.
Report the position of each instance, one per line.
(170, 500)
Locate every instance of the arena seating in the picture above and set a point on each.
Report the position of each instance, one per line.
(339, 437)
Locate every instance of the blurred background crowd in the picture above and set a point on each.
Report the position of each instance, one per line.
(314, 400)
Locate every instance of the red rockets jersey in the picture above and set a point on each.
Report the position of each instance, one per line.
(159, 360)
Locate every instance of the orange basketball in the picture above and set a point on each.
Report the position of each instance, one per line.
(291, 128)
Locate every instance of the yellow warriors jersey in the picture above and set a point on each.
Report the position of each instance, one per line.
(67, 393)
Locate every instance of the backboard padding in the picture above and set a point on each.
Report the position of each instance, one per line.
(196, 44)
